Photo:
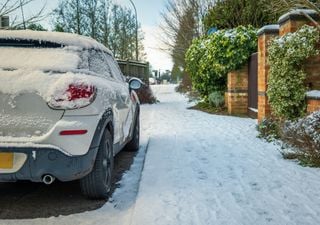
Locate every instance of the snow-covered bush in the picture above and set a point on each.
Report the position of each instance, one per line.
(211, 57)
(269, 129)
(304, 136)
(286, 84)
(146, 95)
(216, 99)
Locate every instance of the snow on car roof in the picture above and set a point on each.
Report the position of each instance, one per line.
(55, 37)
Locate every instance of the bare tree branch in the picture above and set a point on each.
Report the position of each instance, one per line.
(10, 6)
(181, 23)
(289, 5)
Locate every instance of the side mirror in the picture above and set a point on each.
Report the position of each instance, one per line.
(135, 84)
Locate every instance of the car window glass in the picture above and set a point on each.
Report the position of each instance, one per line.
(98, 64)
(115, 70)
(84, 62)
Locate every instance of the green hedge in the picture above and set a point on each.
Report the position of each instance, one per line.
(286, 84)
(210, 58)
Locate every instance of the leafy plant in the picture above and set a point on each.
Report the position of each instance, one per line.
(208, 108)
(286, 88)
(269, 129)
(216, 99)
(231, 13)
(210, 58)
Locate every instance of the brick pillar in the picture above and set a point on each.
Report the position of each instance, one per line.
(265, 35)
(313, 105)
(226, 99)
(292, 21)
(313, 101)
(238, 91)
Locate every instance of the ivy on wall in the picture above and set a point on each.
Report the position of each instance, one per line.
(286, 84)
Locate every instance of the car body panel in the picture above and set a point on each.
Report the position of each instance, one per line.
(26, 115)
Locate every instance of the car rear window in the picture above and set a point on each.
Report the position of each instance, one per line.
(28, 43)
(98, 64)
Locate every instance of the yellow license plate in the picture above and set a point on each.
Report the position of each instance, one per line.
(6, 160)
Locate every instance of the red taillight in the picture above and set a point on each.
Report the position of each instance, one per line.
(80, 91)
(73, 132)
(73, 97)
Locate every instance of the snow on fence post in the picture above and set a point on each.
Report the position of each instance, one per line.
(265, 34)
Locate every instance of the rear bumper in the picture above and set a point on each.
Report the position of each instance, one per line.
(42, 161)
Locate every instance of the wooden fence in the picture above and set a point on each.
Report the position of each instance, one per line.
(132, 68)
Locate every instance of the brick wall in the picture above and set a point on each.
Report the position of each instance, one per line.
(292, 21)
(265, 34)
(289, 22)
(292, 25)
(312, 68)
(313, 105)
(226, 99)
(237, 94)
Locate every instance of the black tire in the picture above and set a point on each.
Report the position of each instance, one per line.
(134, 144)
(97, 184)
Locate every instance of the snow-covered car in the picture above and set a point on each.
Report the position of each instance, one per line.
(65, 110)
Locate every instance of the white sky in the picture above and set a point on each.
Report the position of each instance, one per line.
(157, 57)
(148, 15)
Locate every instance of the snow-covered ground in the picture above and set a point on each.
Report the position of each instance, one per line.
(204, 169)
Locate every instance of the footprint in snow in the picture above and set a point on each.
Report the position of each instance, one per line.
(262, 212)
(255, 186)
(204, 160)
(269, 220)
(202, 175)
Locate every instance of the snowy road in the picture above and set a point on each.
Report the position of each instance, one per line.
(203, 169)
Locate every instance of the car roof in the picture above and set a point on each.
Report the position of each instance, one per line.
(65, 39)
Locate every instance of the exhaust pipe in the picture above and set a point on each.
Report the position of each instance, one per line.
(48, 179)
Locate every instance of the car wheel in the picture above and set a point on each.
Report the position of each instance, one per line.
(133, 145)
(97, 183)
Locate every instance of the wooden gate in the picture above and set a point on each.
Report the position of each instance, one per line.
(253, 86)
